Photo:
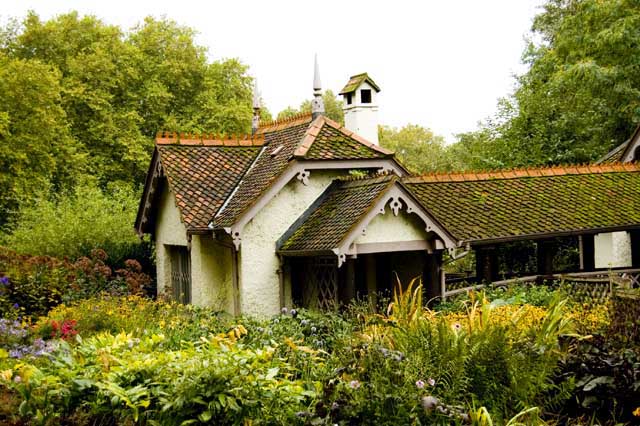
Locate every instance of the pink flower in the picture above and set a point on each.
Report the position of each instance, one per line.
(354, 384)
(420, 384)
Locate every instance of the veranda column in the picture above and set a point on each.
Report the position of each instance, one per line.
(371, 276)
(486, 264)
(635, 248)
(431, 275)
(587, 252)
(546, 251)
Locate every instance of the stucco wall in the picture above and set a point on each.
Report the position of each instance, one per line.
(390, 228)
(169, 231)
(259, 280)
(612, 250)
(211, 274)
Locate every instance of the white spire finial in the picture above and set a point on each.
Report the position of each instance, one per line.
(256, 95)
(317, 104)
(317, 86)
(255, 121)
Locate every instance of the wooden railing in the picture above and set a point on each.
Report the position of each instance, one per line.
(623, 278)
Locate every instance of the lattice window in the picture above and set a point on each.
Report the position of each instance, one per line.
(180, 274)
(321, 289)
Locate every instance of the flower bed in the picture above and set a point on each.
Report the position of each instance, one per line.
(123, 360)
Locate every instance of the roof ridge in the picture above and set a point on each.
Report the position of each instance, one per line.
(282, 123)
(208, 139)
(314, 130)
(515, 173)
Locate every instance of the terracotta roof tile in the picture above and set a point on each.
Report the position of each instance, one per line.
(202, 177)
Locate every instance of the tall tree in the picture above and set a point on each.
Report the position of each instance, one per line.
(118, 89)
(81, 96)
(37, 150)
(417, 147)
(581, 94)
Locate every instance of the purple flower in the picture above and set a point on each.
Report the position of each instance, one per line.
(354, 384)
(17, 379)
(16, 306)
(4, 280)
(420, 384)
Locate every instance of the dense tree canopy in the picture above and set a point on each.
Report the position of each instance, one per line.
(418, 148)
(581, 94)
(80, 96)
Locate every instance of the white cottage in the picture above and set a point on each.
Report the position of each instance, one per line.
(308, 212)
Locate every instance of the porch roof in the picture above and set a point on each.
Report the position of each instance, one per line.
(326, 223)
(532, 203)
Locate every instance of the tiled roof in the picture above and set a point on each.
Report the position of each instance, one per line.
(278, 150)
(505, 205)
(615, 155)
(340, 208)
(356, 80)
(203, 175)
(300, 138)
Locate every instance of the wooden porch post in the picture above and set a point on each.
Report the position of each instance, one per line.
(371, 276)
(546, 251)
(431, 275)
(486, 264)
(635, 248)
(587, 252)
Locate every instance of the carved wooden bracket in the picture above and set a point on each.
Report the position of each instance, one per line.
(303, 176)
(395, 205)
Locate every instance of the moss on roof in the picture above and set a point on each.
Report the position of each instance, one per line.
(355, 81)
(530, 203)
(323, 227)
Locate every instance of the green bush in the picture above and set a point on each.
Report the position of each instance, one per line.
(73, 225)
(32, 285)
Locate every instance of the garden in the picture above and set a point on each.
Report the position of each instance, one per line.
(81, 344)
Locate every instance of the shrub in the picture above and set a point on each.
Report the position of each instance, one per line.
(32, 285)
(74, 224)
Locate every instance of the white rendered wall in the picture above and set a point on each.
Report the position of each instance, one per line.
(362, 118)
(169, 231)
(259, 264)
(388, 228)
(612, 250)
(211, 274)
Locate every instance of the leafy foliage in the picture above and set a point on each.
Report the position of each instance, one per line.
(418, 148)
(74, 224)
(580, 96)
(32, 285)
(83, 97)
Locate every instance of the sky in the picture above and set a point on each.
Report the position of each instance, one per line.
(442, 64)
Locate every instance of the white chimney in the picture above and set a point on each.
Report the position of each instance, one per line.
(360, 106)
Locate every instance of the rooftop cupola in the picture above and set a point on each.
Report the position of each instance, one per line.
(360, 106)
(317, 104)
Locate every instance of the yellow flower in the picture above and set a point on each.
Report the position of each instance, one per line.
(636, 412)
(6, 375)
